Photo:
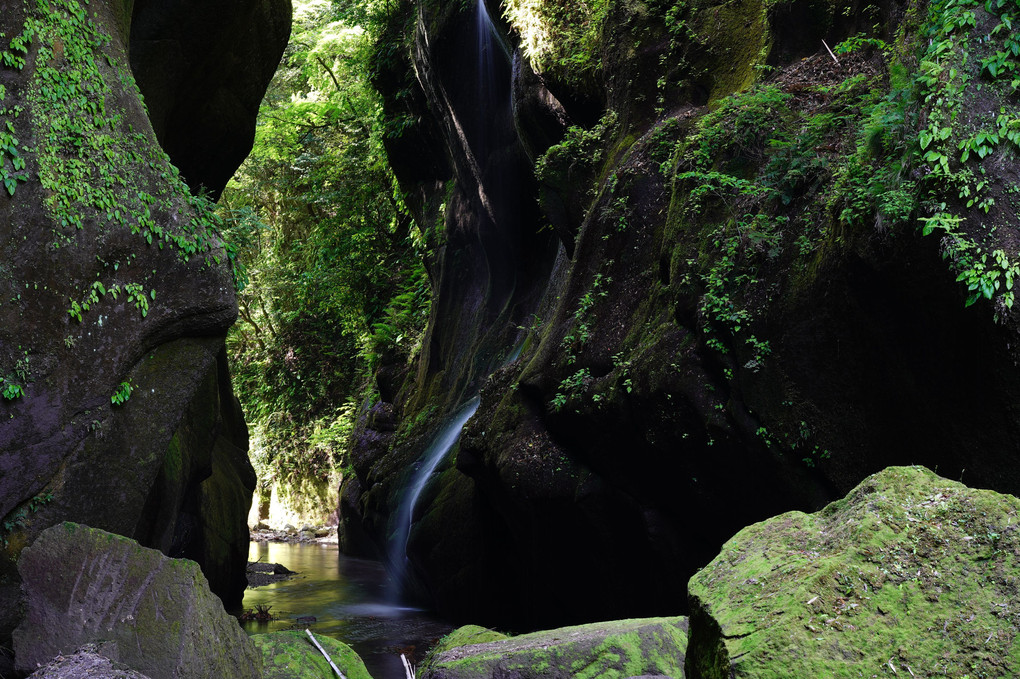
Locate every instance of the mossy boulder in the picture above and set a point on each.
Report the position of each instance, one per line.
(603, 650)
(910, 574)
(84, 585)
(291, 655)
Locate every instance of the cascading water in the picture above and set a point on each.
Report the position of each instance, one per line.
(487, 139)
(436, 452)
(488, 94)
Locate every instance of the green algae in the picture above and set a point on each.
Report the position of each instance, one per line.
(910, 574)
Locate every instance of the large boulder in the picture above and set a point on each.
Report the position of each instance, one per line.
(84, 585)
(604, 650)
(910, 574)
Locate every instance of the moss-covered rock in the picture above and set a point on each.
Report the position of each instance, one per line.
(84, 585)
(604, 650)
(467, 635)
(910, 573)
(291, 655)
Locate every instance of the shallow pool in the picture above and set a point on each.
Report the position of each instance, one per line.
(348, 598)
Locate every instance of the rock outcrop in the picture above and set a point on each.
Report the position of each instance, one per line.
(85, 585)
(621, 648)
(203, 68)
(910, 574)
(116, 408)
(769, 286)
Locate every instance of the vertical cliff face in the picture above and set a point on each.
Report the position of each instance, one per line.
(117, 409)
(469, 177)
(781, 269)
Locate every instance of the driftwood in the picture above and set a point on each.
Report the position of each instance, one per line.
(324, 654)
(408, 670)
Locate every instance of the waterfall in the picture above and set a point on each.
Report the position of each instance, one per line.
(492, 96)
(487, 138)
(435, 453)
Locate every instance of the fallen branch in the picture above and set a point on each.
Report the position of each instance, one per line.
(408, 670)
(325, 655)
(830, 52)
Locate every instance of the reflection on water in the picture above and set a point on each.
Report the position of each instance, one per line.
(347, 597)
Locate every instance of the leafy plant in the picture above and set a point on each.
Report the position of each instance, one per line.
(570, 386)
(122, 394)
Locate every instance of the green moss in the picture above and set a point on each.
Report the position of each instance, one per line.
(739, 40)
(291, 655)
(909, 569)
(609, 650)
(467, 635)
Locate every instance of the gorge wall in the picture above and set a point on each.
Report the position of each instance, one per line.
(777, 270)
(115, 288)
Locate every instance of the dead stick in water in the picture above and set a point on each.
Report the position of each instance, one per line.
(323, 652)
(408, 670)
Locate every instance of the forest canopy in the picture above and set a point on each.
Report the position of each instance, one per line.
(331, 261)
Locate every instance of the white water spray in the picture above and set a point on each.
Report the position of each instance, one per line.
(436, 452)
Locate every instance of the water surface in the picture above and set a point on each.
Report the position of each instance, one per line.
(347, 597)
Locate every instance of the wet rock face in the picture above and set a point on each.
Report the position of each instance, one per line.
(117, 408)
(85, 586)
(907, 572)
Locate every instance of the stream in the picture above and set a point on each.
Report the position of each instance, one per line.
(347, 596)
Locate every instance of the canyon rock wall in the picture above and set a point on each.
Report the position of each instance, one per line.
(779, 270)
(117, 409)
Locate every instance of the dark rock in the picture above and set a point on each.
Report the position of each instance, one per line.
(259, 574)
(203, 68)
(654, 646)
(168, 465)
(84, 585)
(910, 571)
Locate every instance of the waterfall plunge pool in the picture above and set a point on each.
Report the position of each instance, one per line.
(348, 597)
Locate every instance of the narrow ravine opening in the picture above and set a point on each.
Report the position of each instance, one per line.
(338, 277)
